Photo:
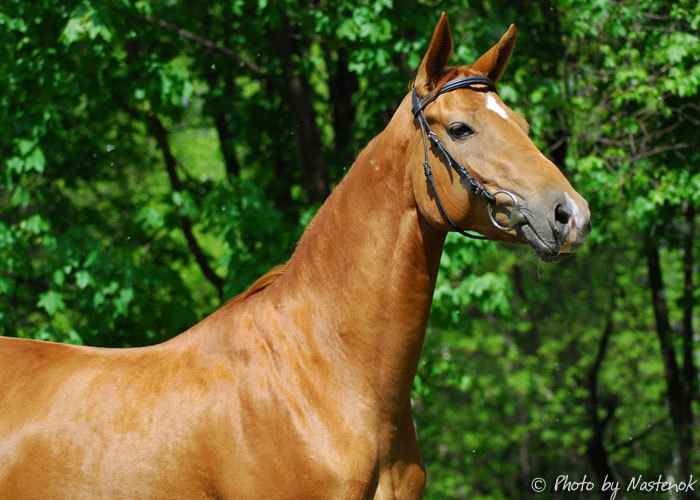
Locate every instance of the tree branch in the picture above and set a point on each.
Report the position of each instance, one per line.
(208, 44)
(161, 136)
(211, 45)
(640, 436)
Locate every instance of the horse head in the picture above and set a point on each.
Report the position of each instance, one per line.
(488, 175)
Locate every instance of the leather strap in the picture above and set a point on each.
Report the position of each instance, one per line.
(418, 107)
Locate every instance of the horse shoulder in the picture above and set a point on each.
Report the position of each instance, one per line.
(294, 413)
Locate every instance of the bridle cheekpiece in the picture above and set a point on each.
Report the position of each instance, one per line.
(490, 198)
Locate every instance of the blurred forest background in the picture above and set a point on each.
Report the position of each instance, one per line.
(156, 157)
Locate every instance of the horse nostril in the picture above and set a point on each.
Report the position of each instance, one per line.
(561, 214)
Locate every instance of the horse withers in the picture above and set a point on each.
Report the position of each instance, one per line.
(300, 387)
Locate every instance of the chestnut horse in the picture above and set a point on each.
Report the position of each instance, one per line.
(299, 387)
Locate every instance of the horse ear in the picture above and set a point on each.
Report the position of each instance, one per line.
(433, 66)
(494, 61)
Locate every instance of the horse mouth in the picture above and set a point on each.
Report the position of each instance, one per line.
(547, 249)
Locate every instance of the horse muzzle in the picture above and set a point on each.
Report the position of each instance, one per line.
(557, 228)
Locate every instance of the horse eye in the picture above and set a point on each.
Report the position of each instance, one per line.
(461, 130)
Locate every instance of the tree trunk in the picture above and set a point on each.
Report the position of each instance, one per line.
(298, 95)
(597, 452)
(679, 401)
(689, 369)
(222, 124)
(233, 169)
(342, 85)
(558, 139)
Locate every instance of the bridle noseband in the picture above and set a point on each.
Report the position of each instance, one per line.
(490, 198)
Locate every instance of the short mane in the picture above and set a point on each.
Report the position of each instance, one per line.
(260, 284)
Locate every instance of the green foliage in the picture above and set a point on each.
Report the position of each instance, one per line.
(123, 124)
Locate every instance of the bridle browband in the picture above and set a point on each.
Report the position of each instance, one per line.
(490, 198)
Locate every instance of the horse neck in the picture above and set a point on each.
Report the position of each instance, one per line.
(364, 272)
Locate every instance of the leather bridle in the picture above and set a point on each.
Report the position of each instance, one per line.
(490, 198)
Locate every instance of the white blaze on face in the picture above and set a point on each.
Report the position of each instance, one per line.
(578, 218)
(493, 105)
